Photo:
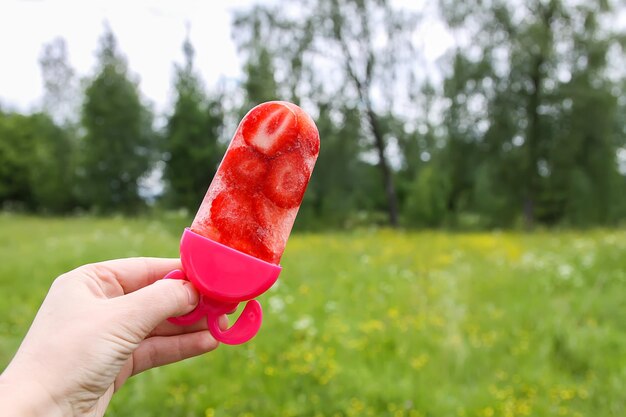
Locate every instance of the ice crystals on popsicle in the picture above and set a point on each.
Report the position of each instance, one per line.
(256, 193)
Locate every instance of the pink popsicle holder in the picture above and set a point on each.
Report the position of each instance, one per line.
(224, 277)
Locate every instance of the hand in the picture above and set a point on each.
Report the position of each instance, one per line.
(99, 325)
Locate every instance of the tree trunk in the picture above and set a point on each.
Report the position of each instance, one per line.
(533, 133)
(532, 136)
(387, 175)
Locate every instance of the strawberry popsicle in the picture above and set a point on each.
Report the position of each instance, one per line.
(255, 195)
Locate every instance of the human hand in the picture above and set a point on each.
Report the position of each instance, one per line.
(100, 324)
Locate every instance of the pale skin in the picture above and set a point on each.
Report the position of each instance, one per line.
(99, 325)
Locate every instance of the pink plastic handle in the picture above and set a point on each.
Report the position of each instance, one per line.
(244, 329)
(224, 277)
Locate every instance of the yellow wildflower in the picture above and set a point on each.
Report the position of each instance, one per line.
(418, 362)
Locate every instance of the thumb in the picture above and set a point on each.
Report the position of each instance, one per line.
(151, 305)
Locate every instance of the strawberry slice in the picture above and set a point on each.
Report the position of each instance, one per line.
(244, 167)
(267, 214)
(206, 229)
(271, 218)
(270, 128)
(253, 247)
(287, 180)
(232, 214)
(308, 136)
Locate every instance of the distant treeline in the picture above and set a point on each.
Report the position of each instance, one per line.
(523, 123)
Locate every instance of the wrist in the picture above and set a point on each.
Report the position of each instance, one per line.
(28, 398)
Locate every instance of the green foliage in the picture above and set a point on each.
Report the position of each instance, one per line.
(590, 146)
(61, 94)
(373, 323)
(362, 40)
(531, 105)
(491, 201)
(342, 186)
(14, 164)
(118, 145)
(192, 137)
(427, 199)
(260, 85)
(256, 34)
(526, 127)
(36, 164)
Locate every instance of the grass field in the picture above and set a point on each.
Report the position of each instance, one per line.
(373, 323)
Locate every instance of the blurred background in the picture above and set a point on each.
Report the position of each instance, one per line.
(461, 247)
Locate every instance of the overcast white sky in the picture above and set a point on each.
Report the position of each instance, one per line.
(150, 33)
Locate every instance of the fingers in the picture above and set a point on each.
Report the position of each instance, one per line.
(223, 323)
(169, 329)
(159, 350)
(146, 308)
(134, 273)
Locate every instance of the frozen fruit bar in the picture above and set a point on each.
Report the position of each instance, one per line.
(255, 195)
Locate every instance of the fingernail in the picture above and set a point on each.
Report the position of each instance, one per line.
(223, 322)
(192, 293)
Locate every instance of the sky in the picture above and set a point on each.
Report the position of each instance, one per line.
(150, 33)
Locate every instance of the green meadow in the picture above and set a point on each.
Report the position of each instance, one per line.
(373, 322)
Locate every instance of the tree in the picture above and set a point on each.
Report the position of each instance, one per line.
(191, 139)
(342, 187)
(60, 99)
(260, 84)
(36, 170)
(366, 50)
(15, 161)
(117, 148)
(428, 197)
(273, 50)
(539, 104)
(464, 132)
